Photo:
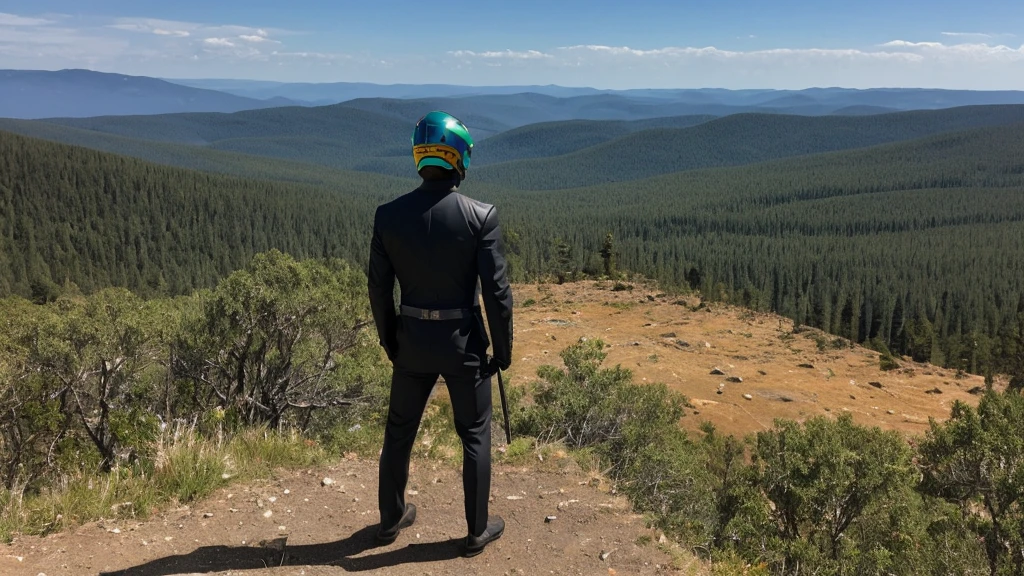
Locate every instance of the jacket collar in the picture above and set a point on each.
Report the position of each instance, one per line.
(440, 185)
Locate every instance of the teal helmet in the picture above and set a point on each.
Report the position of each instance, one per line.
(442, 140)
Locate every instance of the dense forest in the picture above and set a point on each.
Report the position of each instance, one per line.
(916, 246)
(72, 215)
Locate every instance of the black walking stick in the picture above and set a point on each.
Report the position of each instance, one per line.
(504, 407)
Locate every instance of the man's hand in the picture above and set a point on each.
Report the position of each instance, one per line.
(493, 365)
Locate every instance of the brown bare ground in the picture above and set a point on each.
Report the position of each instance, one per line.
(665, 339)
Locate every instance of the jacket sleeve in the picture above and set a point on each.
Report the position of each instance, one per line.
(495, 289)
(381, 284)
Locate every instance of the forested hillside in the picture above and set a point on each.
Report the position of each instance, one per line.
(556, 138)
(93, 219)
(734, 140)
(919, 245)
(536, 157)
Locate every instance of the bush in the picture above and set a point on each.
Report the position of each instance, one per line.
(887, 363)
(633, 428)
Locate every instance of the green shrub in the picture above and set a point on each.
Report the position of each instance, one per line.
(887, 363)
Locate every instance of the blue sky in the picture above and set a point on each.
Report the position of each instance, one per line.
(629, 44)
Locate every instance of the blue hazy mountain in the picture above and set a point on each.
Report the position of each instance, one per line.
(335, 92)
(814, 100)
(83, 93)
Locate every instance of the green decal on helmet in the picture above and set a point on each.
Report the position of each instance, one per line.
(440, 139)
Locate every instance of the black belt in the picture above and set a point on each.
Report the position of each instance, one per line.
(424, 314)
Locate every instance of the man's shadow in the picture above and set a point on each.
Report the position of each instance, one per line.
(343, 553)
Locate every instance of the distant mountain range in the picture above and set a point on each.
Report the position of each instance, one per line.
(488, 110)
(814, 100)
(372, 135)
(82, 93)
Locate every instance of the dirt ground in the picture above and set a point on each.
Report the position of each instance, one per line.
(662, 341)
(329, 530)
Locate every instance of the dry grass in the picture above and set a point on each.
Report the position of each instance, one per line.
(186, 468)
(647, 332)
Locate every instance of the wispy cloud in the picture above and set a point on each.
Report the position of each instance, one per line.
(175, 33)
(15, 20)
(257, 39)
(311, 55)
(501, 54)
(713, 52)
(974, 34)
(219, 42)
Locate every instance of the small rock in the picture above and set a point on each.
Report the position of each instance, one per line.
(282, 529)
(748, 397)
(852, 397)
(762, 372)
(286, 491)
(734, 379)
(514, 497)
(232, 510)
(115, 531)
(890, 412)
(208, 515)
(875, 384)
(669, 335)
(604, 555)
(805, 365)
(225, 476)
(168, 538)
(682, 344)
(933, 391)
(268, 513)
(716, 371)
(662, 539)
(412, 492)
(355, 428)
(326, 482)
(719, 391)
(548, 519)
(635, 344)
(272, 499)
(707, 344)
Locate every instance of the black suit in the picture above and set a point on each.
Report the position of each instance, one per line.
(437, 243)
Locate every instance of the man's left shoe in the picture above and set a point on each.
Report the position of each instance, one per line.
(385, 537)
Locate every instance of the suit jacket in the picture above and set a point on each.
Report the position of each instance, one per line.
(438, 243)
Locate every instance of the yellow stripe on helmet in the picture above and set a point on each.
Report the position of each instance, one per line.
(442, 151)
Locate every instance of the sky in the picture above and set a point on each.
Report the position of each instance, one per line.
(783, 44)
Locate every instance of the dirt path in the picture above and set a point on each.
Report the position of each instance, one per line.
(330, 529)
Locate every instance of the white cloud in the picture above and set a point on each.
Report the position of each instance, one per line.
(176, 33)
(905, 44)
(256, 38)
(311, 55)
(949, 52)
(977, 34)
(502, 54)
(219, 42)
(713, 52)
(15, 20)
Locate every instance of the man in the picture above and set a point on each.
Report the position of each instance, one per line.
(438, 242)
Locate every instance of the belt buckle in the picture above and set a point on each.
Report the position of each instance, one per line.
(435, 314)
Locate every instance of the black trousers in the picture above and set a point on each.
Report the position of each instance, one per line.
(471, 404)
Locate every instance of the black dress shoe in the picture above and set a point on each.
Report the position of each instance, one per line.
(476, 544)
(385, 537)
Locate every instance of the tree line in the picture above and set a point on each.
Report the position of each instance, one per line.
(916, 248)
